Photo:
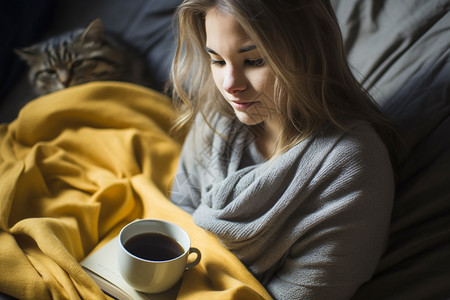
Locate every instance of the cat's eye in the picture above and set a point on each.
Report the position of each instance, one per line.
(77, 64)
(50, 73)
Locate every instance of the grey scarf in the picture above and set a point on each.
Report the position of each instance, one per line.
(315, 216)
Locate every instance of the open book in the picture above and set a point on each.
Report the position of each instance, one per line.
(102, 266)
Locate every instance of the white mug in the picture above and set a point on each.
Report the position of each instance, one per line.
(154, 275)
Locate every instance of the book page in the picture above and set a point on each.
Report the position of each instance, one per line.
(103, 268)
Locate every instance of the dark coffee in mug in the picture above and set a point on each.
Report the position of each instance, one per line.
(153, 246)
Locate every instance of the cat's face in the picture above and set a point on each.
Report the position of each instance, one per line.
(71, 59)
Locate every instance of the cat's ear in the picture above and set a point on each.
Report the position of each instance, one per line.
(28, 54)
(93, 33)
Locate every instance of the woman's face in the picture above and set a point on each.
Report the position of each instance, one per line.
(238, 69)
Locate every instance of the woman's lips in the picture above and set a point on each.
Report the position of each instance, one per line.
(239, 105)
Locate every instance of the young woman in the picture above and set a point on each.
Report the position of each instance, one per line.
(288, 160)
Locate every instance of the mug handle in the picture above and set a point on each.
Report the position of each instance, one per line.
(197, 259)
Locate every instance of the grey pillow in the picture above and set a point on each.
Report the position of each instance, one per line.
(400, 52)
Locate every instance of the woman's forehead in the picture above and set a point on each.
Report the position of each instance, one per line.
(223, 30)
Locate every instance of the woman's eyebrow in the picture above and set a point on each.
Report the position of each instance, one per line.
(209, 50)
(248, 48)
(245, 49)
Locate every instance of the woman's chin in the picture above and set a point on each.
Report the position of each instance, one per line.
(249, 119)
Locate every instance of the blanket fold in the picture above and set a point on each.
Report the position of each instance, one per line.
(75, 167)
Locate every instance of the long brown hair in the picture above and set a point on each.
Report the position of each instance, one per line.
(302, 44)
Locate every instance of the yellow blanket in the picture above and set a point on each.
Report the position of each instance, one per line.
(75, 167)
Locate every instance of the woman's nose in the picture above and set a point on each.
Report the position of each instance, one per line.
(234, 81)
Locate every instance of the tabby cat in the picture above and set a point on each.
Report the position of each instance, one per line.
(80, 56)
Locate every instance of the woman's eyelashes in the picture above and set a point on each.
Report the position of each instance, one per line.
(250, 62)
(217, 62)
(255, 62)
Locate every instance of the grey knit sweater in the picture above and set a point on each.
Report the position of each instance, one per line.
(309, 224)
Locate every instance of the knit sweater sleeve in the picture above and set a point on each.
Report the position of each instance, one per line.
(193, 168)
(343, 224)
(186, 188)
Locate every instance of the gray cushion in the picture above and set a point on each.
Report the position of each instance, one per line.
(400, 52)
